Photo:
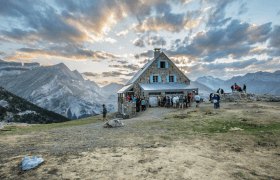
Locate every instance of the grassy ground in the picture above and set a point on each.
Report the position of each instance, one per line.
(20, 129)
(238, 141)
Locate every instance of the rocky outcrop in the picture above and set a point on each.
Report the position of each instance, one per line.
(230, 97)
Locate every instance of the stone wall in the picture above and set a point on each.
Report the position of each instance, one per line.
(154, 70)
(230, 97)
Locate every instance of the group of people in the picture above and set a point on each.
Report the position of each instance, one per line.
(179, 101)
(238, 88)
(139, 102)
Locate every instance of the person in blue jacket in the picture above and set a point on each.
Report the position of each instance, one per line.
(215, 100)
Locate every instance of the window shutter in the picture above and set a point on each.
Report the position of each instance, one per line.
(175, 78)
(159, 79)
(151, 79)
(166, 64)
(158, 63)
(167, 78)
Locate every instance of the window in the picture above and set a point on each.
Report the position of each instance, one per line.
(155, 78)
(171, 78)
(162, 64)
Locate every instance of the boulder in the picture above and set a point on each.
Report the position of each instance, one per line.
(113, 123)
(28, 163)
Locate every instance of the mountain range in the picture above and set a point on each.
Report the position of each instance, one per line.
(257, 83)
(58, 89)
(16, 109)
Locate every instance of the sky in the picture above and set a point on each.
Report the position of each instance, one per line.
(110, 40)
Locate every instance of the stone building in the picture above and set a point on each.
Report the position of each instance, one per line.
(158, 78)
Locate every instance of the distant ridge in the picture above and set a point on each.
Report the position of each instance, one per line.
(17, 109)
(257, 83)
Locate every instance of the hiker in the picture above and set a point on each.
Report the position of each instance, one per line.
(211, 96)
(143, 104)
(191, 99)
(164, 101)
(215, 100)
(185, 101)
(138, 102)
(127, 98)
(197, 99)
(222, 91)
(134, 99)
(104, 112)
(244, 88)
(181, 102)
(232, 88)
(168, 102)
(218, 91)
(218, 103)
(174, 102)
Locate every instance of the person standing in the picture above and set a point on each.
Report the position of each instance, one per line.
(174, 102)
(218, 103)
(244, 88)
(191, 99)
(232, 88)
(215, 100)
(104, 112)
(168, 102)
(197, 99)
(181, 102)
(143, 104)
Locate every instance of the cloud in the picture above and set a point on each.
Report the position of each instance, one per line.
(171, 22)
(132, 67)
(67, 51)
(234, 41)
(90, 74)
(136, 56)
(111, 74)
(144, 61)
(278, 13)
(243, 9)
(156, 40)
(122, 61)
(2, 54)
(138, 42)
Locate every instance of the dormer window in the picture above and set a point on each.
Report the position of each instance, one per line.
(162, 64)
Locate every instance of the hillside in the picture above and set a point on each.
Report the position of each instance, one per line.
(58, 89)
(16, 109)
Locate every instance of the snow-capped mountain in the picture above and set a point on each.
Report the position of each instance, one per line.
(12, 68)
(58, 89)
(16, 109)
(258, 83)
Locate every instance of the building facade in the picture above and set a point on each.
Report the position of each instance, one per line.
(158, 78)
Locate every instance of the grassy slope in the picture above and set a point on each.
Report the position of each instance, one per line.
(19, 129)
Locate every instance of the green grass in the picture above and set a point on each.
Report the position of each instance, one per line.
(42, 127)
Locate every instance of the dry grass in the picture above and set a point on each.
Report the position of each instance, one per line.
(189, 144)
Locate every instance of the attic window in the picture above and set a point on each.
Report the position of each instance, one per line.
(155, 78)
(162, 64)
(171, 78)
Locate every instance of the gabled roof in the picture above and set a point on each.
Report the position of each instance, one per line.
(145, 67)
(142, 70)
(125, 88)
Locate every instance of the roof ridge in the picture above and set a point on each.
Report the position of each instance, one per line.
(141, 71)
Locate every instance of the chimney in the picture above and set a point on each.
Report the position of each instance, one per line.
(156, 52)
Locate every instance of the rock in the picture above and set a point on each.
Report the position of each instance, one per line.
(28, 163)
(215, 112)
(113, 123)
(2, 126)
